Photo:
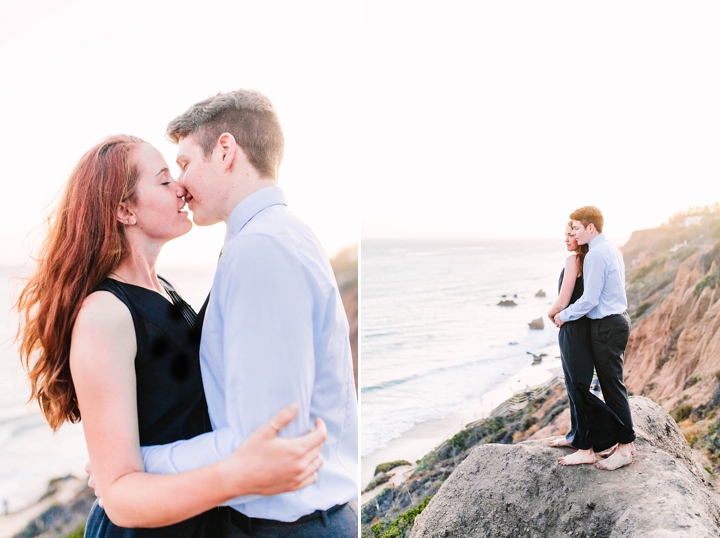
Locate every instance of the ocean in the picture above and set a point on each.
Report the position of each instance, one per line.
(30, 453)
(433, 338)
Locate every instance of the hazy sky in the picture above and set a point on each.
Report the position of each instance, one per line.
(74, 72)
(476, 118)
(499, 118)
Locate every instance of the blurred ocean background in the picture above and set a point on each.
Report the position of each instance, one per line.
(30, 453)
(433, 339)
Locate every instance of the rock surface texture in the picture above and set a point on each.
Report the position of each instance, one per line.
(520, 491)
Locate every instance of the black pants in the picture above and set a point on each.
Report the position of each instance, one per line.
(340, 524)
(608, 339)
(594, 424)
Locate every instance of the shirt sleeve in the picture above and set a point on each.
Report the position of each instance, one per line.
(268, 354)
(189, 454)
(593, 279)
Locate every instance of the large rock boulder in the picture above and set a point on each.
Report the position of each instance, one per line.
(520, 491)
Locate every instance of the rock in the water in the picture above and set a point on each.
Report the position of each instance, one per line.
(508, 302)
(537, 324)
(540, 293)
(521, 490)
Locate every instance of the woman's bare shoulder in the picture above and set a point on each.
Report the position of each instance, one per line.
(103, 309)
(103, 330)
(571, 266)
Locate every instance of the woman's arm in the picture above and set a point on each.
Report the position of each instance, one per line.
(568, 284)
(102, 354)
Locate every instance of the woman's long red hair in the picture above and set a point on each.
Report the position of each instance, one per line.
(85, 242)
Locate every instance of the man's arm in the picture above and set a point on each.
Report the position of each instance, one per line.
(594, 280)
(189, 454)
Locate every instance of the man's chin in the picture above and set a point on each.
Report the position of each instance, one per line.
(199, 220)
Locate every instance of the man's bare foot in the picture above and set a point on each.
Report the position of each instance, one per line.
(579, 458)
(559, 442)
(610, 451)
(622, 455)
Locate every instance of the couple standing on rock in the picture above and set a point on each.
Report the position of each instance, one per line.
(594, 330)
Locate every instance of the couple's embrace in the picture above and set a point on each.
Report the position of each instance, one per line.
(205, 395)
(594, 331)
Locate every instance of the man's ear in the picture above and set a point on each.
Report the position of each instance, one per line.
(593, 229)
(125, 215)
(227, 150)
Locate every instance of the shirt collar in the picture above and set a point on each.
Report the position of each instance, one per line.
(251, 206)
(596, 240)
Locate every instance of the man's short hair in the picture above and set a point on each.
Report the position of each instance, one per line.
(589, 214)
(248, 115)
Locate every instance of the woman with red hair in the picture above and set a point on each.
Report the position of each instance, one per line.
(103, 337)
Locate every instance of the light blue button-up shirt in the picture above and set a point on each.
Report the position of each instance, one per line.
(604, 279)
(275, 332)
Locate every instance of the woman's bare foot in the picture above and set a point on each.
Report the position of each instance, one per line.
(559, 442)
(621, 456)
(579, 458)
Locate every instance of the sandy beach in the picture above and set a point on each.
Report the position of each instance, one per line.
(422, 438)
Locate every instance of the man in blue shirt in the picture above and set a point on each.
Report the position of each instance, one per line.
(604, 302)
(275, 331)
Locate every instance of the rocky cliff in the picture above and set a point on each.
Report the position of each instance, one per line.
(520, 491)
(391, 513)
(673, 356)
(674, 353)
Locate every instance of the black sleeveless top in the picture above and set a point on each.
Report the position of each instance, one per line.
(171, 403)
(170, 397)
(577, 290)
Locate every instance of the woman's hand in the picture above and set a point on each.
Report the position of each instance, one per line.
(91, 482)
(265, 464)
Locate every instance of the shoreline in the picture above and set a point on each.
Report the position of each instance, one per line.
(424, 437)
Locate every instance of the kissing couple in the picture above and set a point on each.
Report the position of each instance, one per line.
(594, 330)
(185, 412)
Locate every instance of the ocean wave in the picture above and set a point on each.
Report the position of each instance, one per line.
(390, 383)
(379, 334)
(485, 361)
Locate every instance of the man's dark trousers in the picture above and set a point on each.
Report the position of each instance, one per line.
(342, 523)
(608, 339)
